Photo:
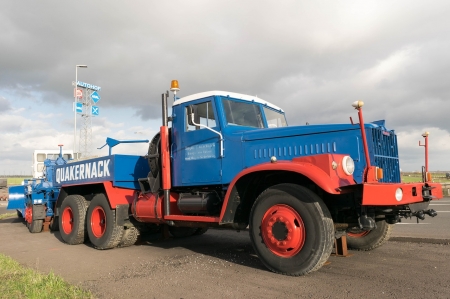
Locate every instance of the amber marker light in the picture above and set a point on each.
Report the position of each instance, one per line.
(174, 87)
(379, 173)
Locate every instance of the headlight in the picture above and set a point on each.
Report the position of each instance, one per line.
(399, 194)
(348, 165)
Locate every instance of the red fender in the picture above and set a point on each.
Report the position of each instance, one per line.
(325, 170)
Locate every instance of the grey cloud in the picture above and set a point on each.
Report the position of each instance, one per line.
(5, 105)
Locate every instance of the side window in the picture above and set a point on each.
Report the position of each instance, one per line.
(40, 157)
(203, 114)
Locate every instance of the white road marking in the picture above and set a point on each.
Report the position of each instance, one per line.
(412, 223)
(439, 204)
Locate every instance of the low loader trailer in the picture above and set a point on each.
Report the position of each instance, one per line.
(230, 160)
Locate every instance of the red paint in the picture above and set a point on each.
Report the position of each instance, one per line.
(358, 235)
(29, 214)
(192, 218)
(67, 220)
(118, 196)
(384, 194)
(286, 218)
(98, 222)
(147, 208)
(364, 139)
(318, 168)
(165, 158)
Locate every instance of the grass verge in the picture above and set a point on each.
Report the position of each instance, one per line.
(7, 215)
(19, 282)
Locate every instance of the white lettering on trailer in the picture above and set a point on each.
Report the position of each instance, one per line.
(106, 168)
(77, 169)
(81, 171)
(90, 170)
(87, 170)
(100, 173)
(94, 171)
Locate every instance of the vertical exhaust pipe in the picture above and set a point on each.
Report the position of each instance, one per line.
(165, 157)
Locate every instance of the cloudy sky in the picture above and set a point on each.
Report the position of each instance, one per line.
(313, 58)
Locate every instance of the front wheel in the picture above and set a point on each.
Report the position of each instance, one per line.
(102, 229)
(368, 240)
(291, 229)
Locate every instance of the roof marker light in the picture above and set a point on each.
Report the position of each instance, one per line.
(174, 86)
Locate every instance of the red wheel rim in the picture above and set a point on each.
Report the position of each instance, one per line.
(67, 220)
(359, 234)
(283, 230)
(29, 214)
(98, 222)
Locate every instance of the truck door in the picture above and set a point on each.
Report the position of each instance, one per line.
(200, 147)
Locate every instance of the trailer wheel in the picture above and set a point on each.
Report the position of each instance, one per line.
(72, 220)
(103, 231)
(182, 232)
(368, 240)
(291, 229)
(129, 237)
(35, 226)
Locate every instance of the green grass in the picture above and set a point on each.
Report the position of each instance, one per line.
(15, 181)
(7, 215)
(19, 282)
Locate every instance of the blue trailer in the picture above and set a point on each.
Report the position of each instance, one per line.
(230, 160)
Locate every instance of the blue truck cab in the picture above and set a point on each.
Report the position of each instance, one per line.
(230, 160)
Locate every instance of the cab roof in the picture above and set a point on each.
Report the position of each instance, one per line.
(233, 95)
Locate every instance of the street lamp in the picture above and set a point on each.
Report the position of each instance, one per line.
(75, 108)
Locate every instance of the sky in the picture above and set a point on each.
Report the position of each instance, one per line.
(312, 58)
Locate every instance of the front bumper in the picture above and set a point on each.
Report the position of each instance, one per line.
(383, 194)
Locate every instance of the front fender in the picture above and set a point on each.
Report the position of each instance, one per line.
(324, 170)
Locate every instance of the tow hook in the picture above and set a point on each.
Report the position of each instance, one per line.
(431, 212)
(421, 214)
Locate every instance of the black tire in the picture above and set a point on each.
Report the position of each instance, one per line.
(72, 219)
(129, 237)
(54, 225)
(182, 232)
(19, 214)
(154, 159)
(365, 241)
(200, 231)
(35, 226)
(102, 229)
(297, 226)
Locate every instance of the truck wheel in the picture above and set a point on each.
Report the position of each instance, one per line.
(182, 232)
(367, 240)
(72, 220)
(54, 224)
(102, 229)
(291, 229)
(19, 214)
(35, 226)
(200, 231)
(129, 237)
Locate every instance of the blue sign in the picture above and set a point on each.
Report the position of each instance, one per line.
(95, 97)
(95, 110)
(79, 107)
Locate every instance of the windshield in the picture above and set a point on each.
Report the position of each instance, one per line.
(242, 114)
(274, 118)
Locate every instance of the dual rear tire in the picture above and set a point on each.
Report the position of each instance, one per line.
(95, 220)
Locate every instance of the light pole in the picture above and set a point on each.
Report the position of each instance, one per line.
(75, 108)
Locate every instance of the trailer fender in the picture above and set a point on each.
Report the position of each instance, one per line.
(325, 170)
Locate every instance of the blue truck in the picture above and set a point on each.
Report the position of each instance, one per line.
(230, 160)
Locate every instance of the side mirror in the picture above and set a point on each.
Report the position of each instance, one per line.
(191, 114)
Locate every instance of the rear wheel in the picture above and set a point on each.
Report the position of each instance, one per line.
(129, 237)
(102, 229)
(200, 231)
(291, 229)
(368, 240)
(72, 219)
